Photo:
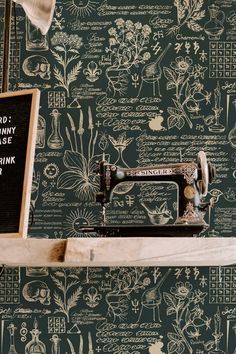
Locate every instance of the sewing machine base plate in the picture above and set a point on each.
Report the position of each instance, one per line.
(145, 231)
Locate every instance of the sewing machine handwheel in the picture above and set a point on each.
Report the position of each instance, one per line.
(203, 183)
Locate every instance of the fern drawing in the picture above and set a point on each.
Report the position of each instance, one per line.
(66, 52)
(65, 279)
(188, 13)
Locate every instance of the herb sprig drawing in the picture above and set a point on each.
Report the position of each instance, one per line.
(128, 47)
(184, 303)
(81, 165)
(124, 282)
(188, 13)
(65, 279)
(66, 52)
(184, 78)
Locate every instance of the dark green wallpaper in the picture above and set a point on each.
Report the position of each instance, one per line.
(143, 82)
(126, 310)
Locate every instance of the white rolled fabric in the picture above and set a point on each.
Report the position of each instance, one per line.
(39, 12)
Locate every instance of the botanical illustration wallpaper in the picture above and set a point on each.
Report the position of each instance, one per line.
(139, 83)
(118, 310)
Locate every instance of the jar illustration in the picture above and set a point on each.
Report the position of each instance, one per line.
(232, 133)
(41, 131)
(11, 328)
(232, 136)
(35, 40)
(36, 271)
(35, 345)
(55, 344)
(214, 27)
(55, 140)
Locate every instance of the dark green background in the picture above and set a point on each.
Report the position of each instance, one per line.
(100, 94)
(197, 305)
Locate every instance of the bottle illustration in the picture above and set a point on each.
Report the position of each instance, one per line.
(12, 349)
(35, 346)
(232, 136)
(232, 133)
(55, 140)
(214, 27)
(216, 126)
(36, 271)
(55, 344)
(41, 131)
(35, 40)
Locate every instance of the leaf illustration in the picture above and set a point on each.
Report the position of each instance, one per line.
(172, 121)
(173, 336)
(169, 74)
(59, 302)
(194, 26)
(181, 347)
(180, 123)
(58, 57)
(187, 316)
(181, 14)
(72, 58)
(73, 50)
(60, 48)
(69, 285)
(172, 347)
(58, 283)
(180, 10)
(186, 4)
(72, 76)
(170, 85)
(174, 111)
(72, 301)
(68, 180)
(198, 4)
(198, 15)
(59, 274)
(176, 103)
(187, 90)
(170, 311)
(74, 160)
(169, 299)
(59, 76)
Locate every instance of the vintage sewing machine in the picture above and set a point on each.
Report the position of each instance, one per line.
(192, 179)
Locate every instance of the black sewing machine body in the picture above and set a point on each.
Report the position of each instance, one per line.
(191, 178)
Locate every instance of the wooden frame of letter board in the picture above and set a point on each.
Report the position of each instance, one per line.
(29, 159)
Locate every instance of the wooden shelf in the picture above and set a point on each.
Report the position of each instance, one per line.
(145, 251)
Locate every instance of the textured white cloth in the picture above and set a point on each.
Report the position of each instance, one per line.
(39, 12)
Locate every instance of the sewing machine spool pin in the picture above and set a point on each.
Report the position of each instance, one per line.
(191, 178)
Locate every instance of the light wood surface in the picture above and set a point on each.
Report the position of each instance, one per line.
(119, 252)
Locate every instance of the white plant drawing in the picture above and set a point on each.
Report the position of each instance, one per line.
(65, 52)
(189, 12)
(65, 279)
(124, 281)
(184, 303)
(184, 78)
(128, 47)
(80, 176)
(158, 215)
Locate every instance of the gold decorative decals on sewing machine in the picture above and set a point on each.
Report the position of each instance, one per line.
(151, 172)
